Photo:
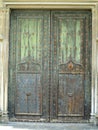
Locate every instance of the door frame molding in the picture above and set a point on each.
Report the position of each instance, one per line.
(5, 11)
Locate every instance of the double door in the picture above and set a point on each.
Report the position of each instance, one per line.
(50, 65)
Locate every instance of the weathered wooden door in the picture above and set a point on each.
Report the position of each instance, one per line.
(50, 65)
(29, 65)
(71, 65)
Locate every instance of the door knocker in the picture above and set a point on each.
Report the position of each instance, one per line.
(70, 66)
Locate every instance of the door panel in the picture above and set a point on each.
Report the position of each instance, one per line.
(29, 65)
(71, 65)
(70, 95)
(50, 65)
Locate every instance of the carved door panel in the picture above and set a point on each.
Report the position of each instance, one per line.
(29, 65)
(71, 61)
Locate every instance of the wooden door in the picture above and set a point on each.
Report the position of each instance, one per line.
(50, 65)
(71, 65)
(29, 65)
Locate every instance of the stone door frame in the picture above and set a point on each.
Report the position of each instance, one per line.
(5, 10)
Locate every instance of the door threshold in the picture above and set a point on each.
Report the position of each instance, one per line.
(47, 121)
(81, 121)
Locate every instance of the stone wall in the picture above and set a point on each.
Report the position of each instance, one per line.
(1, 68)
(3, 62)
